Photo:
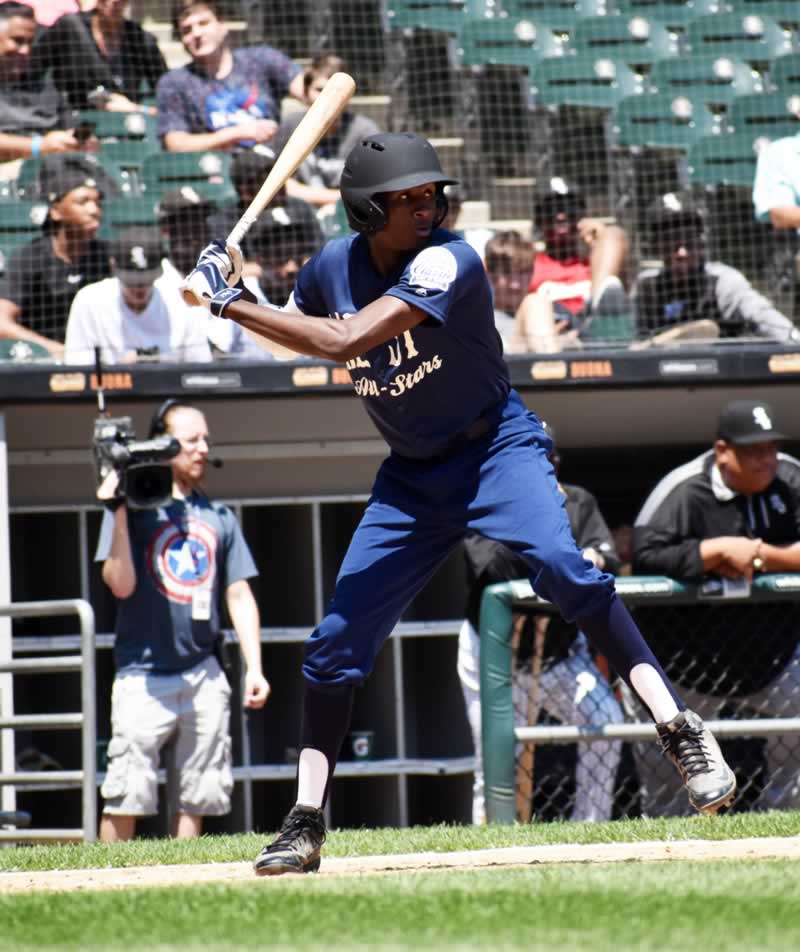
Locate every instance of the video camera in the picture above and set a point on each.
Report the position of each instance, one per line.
(145, 476)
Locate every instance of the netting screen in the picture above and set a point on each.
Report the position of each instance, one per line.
(621, 138)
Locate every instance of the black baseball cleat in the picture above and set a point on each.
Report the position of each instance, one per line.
(297, 846)
(691, 746)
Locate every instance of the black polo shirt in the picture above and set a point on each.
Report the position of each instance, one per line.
(43, 286)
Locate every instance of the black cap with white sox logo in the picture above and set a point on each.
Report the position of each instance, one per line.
(744, 422)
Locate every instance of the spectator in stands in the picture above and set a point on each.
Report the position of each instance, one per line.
(43, 277)
(570, 687)
(729, 514)
(184, 216)
(508, 259)
(99, 59)
(168, 568)
(317, 179)
(776, 188)
(282, 244)
(247, 172)
(578, 274)
(692, 297)
(34, 118)
(224, 98)
(127, 316)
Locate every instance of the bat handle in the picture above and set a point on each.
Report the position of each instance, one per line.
(240, 229)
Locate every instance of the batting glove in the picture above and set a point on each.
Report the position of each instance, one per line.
(217, 300)
(216, 254)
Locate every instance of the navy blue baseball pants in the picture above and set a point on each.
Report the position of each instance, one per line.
(500, 485)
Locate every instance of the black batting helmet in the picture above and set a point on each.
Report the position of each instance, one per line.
(386, 162)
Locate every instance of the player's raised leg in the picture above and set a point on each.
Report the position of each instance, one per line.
(518, 503)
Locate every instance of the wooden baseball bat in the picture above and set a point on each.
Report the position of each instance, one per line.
(321, 115)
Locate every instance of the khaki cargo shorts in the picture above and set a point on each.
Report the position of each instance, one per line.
(190, 712)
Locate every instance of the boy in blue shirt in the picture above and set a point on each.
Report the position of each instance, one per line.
(410, 311)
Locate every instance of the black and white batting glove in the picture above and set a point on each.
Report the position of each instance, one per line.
(216, 254)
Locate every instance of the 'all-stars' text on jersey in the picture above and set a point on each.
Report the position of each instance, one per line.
(424, 388)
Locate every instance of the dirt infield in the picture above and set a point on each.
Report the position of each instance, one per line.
(644, 852)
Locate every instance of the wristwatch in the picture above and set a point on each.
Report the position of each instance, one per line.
(758, 563)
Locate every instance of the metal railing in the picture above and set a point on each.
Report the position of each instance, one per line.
(507, 731)
(85, 720)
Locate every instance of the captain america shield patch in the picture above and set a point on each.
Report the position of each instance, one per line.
(181, 560)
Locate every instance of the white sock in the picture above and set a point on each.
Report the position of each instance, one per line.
(650, 687)
(312, 776)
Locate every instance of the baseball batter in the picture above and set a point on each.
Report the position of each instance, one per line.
(408, 307)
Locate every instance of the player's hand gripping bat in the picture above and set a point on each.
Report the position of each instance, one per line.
(323, 112)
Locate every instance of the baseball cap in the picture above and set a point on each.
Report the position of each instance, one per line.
(137, 256)
(744, 422)
(675, 210)
(557, 196)
(280, 226)
(61, 174)
(251, 165)
(180, 200)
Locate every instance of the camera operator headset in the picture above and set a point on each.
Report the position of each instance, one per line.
(166, 566)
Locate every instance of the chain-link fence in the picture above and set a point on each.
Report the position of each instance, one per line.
(590, 750)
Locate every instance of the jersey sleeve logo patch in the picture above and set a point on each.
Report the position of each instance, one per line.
(434, 269)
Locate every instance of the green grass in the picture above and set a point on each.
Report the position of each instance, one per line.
(220, 849)
(668, 906)
(625, 907)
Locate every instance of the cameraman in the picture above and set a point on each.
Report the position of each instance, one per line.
(166, 567)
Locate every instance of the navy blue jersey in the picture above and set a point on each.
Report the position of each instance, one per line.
(422, 389)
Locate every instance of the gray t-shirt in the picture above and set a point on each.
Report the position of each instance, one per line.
(184, 555)
(324, 166)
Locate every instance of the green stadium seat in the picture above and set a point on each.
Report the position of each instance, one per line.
(505, 42)
(20, 221)
(129, 155)
(592, 82)
(661, 121)
(615, 330)
(111, 179)
(121, 213)
(443, 16)
(650, 135)
(784, 73)
(120, 126)
(420, 69)
(715, 79)
(560, 15)
(674, 14)
(728, 159)
(766, 114)
(497, 58)
(208, 172)
(784, 12)
(16, 350)
(636, 41)
(750, 37)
